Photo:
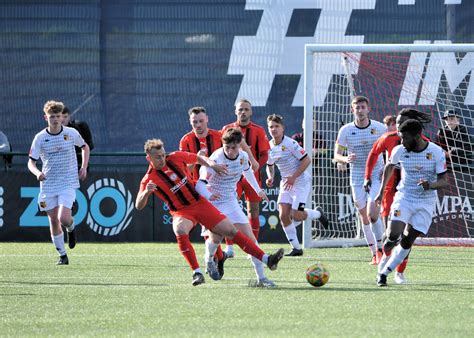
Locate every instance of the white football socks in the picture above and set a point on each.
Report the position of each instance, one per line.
(378, 230)
(292, 236)
(58, 242)
(211, 249)
(369, 237)
(312, 214)
(398, 255)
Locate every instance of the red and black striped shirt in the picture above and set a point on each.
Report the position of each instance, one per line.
(173, 182)
(193, 144)
(256, 139)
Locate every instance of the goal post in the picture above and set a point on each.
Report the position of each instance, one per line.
(432, 78)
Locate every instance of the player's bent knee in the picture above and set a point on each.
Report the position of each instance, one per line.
(66, 221)
(406, 242)
(225, 228)
(298, 215)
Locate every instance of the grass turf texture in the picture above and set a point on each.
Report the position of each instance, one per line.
(145, 290)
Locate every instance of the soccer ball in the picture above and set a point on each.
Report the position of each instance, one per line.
(317, 275)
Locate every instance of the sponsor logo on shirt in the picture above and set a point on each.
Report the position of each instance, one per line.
(179, 185)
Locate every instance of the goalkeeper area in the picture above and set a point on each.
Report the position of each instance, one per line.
(145, 290)
(432, 78)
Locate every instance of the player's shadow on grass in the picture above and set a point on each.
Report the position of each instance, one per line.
(83, 284)
(437, 287)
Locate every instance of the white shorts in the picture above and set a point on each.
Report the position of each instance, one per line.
(361, 197)
(297, 196)
(419, 215)
(48, 201)
(232, 210)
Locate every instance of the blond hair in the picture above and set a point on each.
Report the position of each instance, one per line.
(153, 144)
(53, 107)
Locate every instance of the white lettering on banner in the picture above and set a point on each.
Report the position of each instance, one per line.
(346, 207)
(270, 52)
(259, 58)
(453, 205)
(438, 64)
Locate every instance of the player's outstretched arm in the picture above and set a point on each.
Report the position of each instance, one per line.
(207, 162)
(245, 147)
(250, 177)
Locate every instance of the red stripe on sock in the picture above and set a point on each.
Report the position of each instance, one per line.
(247, 245)
(219, 254)
(402, 266)
(187, 251)
(255, 224)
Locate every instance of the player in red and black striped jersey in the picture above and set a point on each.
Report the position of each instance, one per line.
(385, 144)
(257, 146)
(201, 140)
(168, 177)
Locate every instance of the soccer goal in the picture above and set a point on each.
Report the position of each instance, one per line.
(432, 78)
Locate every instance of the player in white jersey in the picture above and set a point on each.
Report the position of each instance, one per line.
(423, 171)
(59, 177)
(220, 190)
(358, 138)
(295, 185)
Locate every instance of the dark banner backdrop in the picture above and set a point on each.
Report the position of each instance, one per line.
(105, 212)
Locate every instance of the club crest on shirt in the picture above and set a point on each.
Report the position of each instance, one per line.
(373, 131)
(397, 213)
(66, 137)
(171, 175)
(283, 148)
(429, 156)
(241, 161)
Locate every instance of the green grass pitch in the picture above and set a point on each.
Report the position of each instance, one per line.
(145, 290)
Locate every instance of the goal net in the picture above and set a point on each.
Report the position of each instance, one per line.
(432, 78)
